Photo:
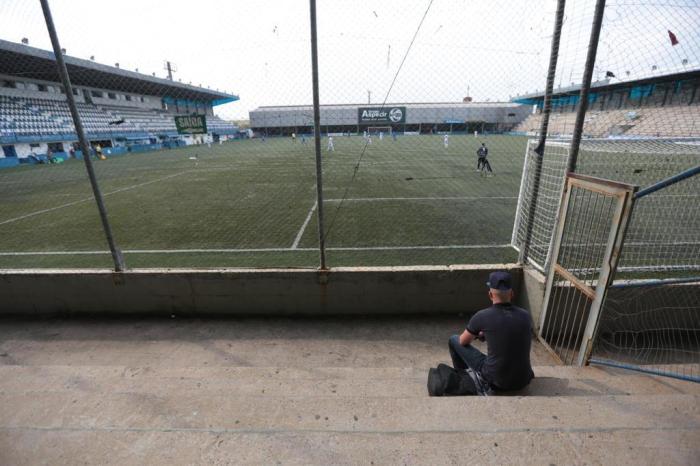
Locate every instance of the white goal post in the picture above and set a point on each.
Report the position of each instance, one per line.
(375, 130)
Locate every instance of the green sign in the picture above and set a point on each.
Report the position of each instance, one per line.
(191, 124)
(381, 115)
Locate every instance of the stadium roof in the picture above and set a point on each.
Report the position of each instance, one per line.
(387, 105)
(607, 85)
(19, 59)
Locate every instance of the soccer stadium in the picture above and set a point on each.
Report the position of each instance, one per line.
(369, 233)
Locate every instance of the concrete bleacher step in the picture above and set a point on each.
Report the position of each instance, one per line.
(332, 398)
(225, 392)
(164, 414)
(210, 446)
(334, 382)
(179, 410)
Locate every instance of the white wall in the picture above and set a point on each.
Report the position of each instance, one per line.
(24, 149)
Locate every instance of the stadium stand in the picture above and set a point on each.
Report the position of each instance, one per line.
(34, 113)
(666, 106)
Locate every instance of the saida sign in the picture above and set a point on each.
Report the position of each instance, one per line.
(381, 115)
(191, 124)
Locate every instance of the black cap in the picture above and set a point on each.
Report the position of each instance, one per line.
(499, 281)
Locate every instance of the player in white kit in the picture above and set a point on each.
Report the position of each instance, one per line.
(331, 148)
(446, 140)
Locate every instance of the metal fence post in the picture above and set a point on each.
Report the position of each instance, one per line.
(65, 79)
(317, 135)
(546, 110)
(586, 84)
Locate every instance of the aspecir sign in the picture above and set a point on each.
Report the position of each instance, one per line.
(383, 115)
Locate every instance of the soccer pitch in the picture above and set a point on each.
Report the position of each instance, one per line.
(249, 203)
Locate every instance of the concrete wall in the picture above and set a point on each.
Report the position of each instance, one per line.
(394, 290)
(531, 295)
(24, 149)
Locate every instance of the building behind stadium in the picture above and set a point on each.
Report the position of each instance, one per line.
(121, 110)
(412, 118)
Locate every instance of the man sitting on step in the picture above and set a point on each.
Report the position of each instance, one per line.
(507, 330)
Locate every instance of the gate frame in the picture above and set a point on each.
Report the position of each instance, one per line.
(623, 210)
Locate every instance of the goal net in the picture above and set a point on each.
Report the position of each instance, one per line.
(376, 130)
(664, 233)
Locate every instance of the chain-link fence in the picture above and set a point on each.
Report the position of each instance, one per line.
(414, 97)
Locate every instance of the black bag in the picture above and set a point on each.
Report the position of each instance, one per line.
(446, 381)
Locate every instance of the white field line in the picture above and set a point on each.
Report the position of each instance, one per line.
(417, 248)
(202, 251)
(300, 233)
(91, 198)
(456, 198)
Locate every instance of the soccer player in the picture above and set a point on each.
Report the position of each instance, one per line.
(98, 152)
(483, 164)
(446, 140)
(331, 148)
(303, 139)
(294, 137)
(381, 135)
(393, 135)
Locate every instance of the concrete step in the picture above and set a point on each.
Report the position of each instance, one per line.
(336, 415)
(312, 382)
(173, 411)
(211, 446)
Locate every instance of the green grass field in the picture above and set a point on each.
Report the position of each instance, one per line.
(251, 204)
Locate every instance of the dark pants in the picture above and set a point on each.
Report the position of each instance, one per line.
(465, 356)
(485, 165)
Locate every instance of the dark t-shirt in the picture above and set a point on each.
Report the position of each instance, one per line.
(507, 330)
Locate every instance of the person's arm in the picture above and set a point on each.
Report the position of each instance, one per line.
(466, 338)
(474, 330)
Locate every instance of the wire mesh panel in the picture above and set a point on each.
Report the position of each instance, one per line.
(202, 135)
(410, 103)
(660, 236)
(549, 195)
(651, 326)
(593, 217)
(407, 99)
(650, 319)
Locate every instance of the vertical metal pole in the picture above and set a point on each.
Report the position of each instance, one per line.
(63, 72)
(546, 110)
(317, 135)
(586, 84)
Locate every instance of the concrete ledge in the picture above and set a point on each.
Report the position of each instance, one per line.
(532, 293)
(361, 290)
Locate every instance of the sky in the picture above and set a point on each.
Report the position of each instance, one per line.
(490, 50)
